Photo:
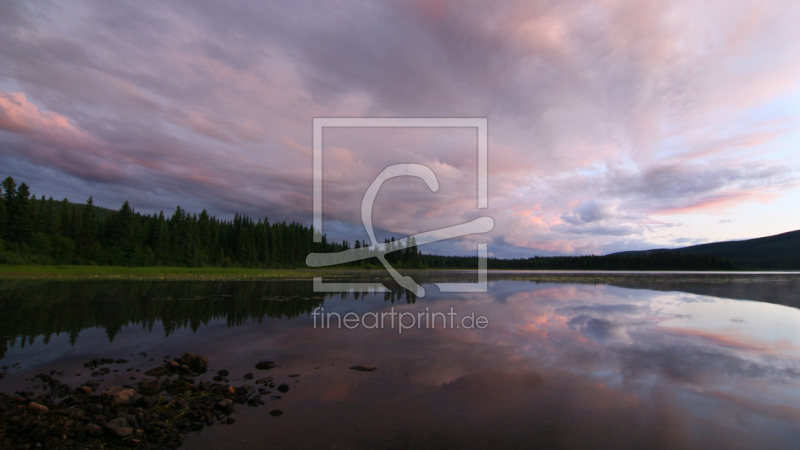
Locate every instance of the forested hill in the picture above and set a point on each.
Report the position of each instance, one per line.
(47, 231)
(781, 251)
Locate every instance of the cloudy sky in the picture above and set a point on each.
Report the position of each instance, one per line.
(613, 124)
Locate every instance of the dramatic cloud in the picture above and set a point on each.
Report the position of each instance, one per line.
(613, 124)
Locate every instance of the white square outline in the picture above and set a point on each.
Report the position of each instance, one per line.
(481, 123)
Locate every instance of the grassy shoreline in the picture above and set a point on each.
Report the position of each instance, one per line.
(238, 273)
(151, 272)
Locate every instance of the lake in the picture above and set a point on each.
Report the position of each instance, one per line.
(561, 360)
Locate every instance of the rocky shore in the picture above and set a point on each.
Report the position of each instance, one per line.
(155, 413)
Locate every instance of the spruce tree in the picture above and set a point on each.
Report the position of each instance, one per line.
(88, 227)
(22, 226)
(9, 196)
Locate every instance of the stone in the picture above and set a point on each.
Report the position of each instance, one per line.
(119, 427)
(248, 376)
(93, 430)
(223, 373)
(195, 362)
(157, 372)
(132, 421)
(37, 408)
(276, 413)
(364, 368)
(264, 381)
(265, 365)
(283, 388)
(225, 404)
(118, 396)
(245, 391)
(150, 387)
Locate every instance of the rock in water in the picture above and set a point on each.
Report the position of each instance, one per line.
(364, 368)
(283, 388)
(157, 372)
(245, 391)
(119, 427)
(265, 365)
(118, 395)
(225, 404)
(195, 362)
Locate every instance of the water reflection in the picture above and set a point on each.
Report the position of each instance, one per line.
(572, 365)
(46, 308)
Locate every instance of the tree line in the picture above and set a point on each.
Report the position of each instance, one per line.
(47, 231)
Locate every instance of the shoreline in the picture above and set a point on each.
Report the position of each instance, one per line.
(237, 273)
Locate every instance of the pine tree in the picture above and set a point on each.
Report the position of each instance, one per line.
(88, 227)
(9, 196)
(21, 226)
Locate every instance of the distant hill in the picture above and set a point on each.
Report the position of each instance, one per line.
(781, 251)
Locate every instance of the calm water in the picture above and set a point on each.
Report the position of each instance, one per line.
(668, 361)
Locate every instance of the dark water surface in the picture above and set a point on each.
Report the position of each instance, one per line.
(599, 361)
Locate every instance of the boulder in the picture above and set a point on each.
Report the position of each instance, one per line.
(119, 427)
(37, 408)
(93, 430)
(150, 387)
(196, 363)
(157, 372)
(118, 396)
(364, 368)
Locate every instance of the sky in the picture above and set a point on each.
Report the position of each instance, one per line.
(613, 124)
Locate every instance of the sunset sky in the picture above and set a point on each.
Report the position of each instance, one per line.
(613, 124)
